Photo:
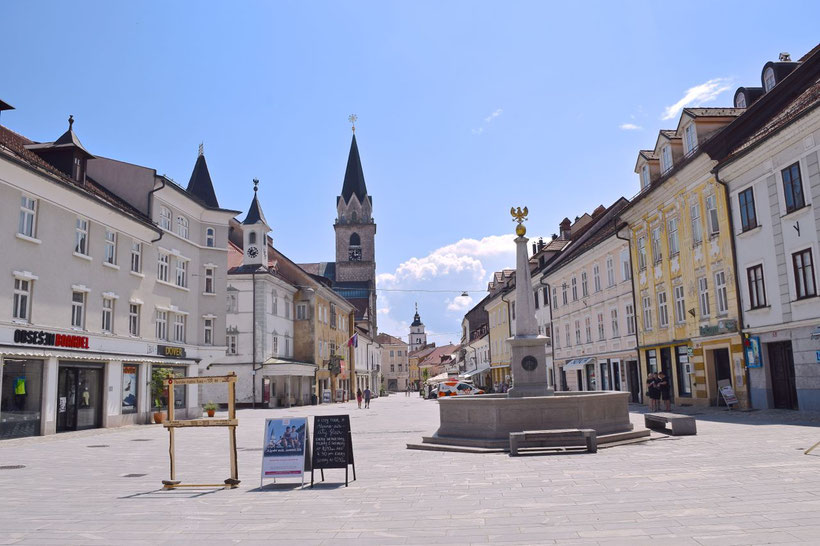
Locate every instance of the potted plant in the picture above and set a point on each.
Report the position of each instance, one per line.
(210, 408)
(159, 391)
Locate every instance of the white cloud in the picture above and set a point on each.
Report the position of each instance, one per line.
(459, 303)
(700, 94)
(488, 120)
(630, 127)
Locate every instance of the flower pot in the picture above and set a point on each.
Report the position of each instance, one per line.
(159, 417)
(211, 412)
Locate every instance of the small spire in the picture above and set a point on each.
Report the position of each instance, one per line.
(70, 121)
(255, 185)
(201, 149)
(417, 307)
(353, 118)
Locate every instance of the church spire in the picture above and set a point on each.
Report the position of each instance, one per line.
(255, 214)
(200, 185)
(354, 175)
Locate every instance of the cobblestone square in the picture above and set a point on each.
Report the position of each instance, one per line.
(742, 480)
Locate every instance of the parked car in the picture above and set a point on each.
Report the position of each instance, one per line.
(457, 388)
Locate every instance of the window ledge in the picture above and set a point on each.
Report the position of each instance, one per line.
(172, 285)
(750, 231)
(20, 321)
(137, 274)
(756, 309)
(83, 256)
(795, 212)
(209, 293)
(809, 299)
(27, 238)
(111, 266)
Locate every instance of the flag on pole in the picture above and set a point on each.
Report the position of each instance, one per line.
(353, 341)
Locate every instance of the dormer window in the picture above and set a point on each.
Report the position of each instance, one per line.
(666, 159)
(78, 169)
(690, 139)
(645, 176)
(740, 100)
(768, 79)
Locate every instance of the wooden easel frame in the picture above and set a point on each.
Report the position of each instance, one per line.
(231, 422)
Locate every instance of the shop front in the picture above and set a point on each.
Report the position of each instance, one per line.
(22, 397)
(289, 383)
(579, 374)
(79, 395)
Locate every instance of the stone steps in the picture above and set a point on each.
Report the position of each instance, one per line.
(481, 445)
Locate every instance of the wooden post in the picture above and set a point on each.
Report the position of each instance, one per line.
(171, 430)
(232, 430)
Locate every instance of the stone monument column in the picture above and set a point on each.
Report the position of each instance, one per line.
(528, 361)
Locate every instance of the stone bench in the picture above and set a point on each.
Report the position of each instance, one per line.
(681, 425)
(552, 438)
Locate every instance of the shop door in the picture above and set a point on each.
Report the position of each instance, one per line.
(634, 381)
(616, 375)
(666, 366)
(79, 398)
(723, 371)
(781, 362)
(580, 380)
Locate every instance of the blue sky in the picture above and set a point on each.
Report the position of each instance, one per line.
(465, 108)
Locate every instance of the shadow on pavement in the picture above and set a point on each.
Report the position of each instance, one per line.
(187, 493)
(742, 417)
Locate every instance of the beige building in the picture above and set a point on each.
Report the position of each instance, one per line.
(395, 363)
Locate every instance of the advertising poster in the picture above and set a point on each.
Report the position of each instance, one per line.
(753, 359)
(129, 388)
(284, 448)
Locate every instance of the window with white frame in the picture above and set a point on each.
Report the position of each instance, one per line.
(630, 319)
(577, 332)
(81, 237)
(301, 311)
(768, 79)
(641, 253)
(690, 139)
(740, 100)
(555, 298)
(584, 284)
(136, 257)
(210, 288)
(588, 329)
(77, 309)
(574, 289)
(110, 256)
(557, 336)
(134, 319)
(663, 310)
(163, 266)
(107, 315)
(275, 343)
(165, 218)
(721, 293)
(564, 293)
(613, 317)
(231, 340)
(182, 273)
(793, 187)
(208, 337)
(647, 313)
(231, 303)
(703, 291)
(645, 180)
(672, 236)
(182, 227)
(536, 298)
(626, 269)
(610, 271)
(657, 251)
(697, 229)
(804, 281)
(757, 288)
(28, 217)
(680, 305)
(666, 159)
(274, 303)
(712, 215)
(179, 328)
(596, 277)
(162, 325)
(601, 334)
(567, 336)
(210, 237)
(21, 304)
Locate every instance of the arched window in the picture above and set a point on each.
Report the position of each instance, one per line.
(252, 238)
(182, 227)
(209, 237)
(164, 218)
(355, 240)
(354, 217)
(275, 305)
(768, 79)
(354, 252)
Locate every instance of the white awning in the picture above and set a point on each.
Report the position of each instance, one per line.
(577, 364)
(439, 378)
(281, 367)
(476, 372)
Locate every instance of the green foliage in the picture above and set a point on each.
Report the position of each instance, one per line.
(210, 406)
(159, 392)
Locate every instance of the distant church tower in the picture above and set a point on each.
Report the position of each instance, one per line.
(417, 339)
(355, 239)
(255, 232)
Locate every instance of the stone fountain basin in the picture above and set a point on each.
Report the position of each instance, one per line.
(494, 416)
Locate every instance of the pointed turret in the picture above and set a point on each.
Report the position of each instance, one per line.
(354, 175)
(200, 185)
(255, 233)
(255, 214)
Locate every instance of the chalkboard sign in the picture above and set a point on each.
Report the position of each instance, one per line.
(332, 445)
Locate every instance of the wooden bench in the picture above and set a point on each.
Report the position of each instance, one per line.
(681, 425)
(552, 438)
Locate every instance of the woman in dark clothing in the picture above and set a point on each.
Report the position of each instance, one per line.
(653, 392)
(663, 389)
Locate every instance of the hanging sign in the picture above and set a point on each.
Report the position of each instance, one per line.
(332, 445)
(285, 449)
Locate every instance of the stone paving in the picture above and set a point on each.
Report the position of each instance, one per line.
(742, 480)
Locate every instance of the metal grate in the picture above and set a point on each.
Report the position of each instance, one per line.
(12, 467)
(143, 440)
(133, 475)
(99, 445)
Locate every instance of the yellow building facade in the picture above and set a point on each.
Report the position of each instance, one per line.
(684, 280)
(499, 320)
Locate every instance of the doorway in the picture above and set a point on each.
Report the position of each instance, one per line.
(666, 368)
(79, 397)
(781, 363)
(635, 384)
(616, 375)
(723, 372)
(580, 380)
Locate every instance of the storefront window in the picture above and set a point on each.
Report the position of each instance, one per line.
(685, 371)
(652, 359)
(21, 398)
(129, 388)
(161, 397)
(605, 376)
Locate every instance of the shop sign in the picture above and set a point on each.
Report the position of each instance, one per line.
(171, 351)
(722, 327)
(39, 337)
(752, 346)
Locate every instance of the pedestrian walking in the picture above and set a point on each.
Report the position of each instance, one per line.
(367, 398)
(652, 391)
(663, 390)
(359, 397)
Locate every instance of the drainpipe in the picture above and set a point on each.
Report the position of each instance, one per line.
(716, 172)
(150, 199)
(634, 307)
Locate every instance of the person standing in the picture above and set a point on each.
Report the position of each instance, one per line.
(359, 398)
(652, 391)
(664, 391)
(367, 398)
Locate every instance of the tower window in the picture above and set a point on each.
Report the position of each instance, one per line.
(354, 252)
(252, 238)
